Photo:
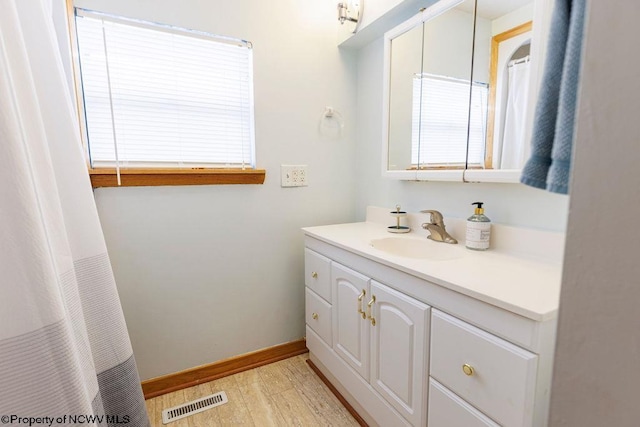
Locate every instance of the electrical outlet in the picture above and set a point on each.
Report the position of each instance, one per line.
(293, 175)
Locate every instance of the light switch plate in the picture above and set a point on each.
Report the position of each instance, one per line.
(293, 175)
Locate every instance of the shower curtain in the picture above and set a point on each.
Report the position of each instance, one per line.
(514, 148)
(65, 354)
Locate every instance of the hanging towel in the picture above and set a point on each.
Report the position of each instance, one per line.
(550, 162)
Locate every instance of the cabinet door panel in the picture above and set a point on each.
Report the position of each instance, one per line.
(399, 351)
(350, 333)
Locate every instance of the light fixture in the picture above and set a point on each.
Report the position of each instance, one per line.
(349, 11)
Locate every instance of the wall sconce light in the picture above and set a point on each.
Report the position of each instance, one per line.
(350, 11)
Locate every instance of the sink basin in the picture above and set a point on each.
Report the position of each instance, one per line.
(417, 248)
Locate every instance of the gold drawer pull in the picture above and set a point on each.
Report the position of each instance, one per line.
(314, 275)
(315, 316)
(468, 369)
(370, 310)
(360, 310)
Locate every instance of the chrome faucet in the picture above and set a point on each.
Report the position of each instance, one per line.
(437, 229)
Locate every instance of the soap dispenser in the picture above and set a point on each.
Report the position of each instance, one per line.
(478, 229)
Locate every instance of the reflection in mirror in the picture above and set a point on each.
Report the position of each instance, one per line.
(406, 62)
(502, 61)
(441, 92)
(429, 79)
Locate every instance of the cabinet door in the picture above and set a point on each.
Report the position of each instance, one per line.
(350, 330)
(399, 351)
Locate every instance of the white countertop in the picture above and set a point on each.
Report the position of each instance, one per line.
(528, 287)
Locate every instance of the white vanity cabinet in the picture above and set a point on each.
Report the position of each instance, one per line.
(405, 351)
(382, 335)
(377, 344)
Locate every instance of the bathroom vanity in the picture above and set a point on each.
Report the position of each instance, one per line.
(414, 332)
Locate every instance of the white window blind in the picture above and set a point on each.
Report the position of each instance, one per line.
(160, 96)
(439, 121)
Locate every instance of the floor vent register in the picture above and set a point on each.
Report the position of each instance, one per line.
(193, 407)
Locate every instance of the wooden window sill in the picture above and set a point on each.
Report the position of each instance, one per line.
(106, 177)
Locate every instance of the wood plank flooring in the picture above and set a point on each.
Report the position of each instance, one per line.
(285, 393)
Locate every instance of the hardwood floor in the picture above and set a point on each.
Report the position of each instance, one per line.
(285, 393)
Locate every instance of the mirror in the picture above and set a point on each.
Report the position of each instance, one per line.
(502, 111)
(428, 97)
(459, 105)
(406, 62)
(442, 110)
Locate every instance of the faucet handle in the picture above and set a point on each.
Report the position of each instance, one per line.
(436, 217)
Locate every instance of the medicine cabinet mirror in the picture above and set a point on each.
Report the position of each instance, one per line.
(459, 105)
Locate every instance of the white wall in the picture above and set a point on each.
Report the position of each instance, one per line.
(209, 272)
(512, 19)
(372, 10)
(448, 43)
(512, 204)
(596, 379)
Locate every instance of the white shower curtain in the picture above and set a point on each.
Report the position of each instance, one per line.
(514, 147)
(65, 352)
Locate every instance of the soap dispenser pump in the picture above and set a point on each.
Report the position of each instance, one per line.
(478, 229)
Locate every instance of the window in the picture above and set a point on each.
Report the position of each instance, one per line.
(439, 122)
(160, 97)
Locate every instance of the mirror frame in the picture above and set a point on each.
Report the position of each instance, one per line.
(540, 30)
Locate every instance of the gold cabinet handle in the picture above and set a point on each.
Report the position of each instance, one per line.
(314, 275)
(314, 316)
(369, 310)
(468, 369)
(360, 310)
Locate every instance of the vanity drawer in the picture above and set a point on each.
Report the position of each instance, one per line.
(448, 410)
(318, 315)
(317, 273)
(500, 377)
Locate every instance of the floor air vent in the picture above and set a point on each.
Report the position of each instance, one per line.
(193, 407)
